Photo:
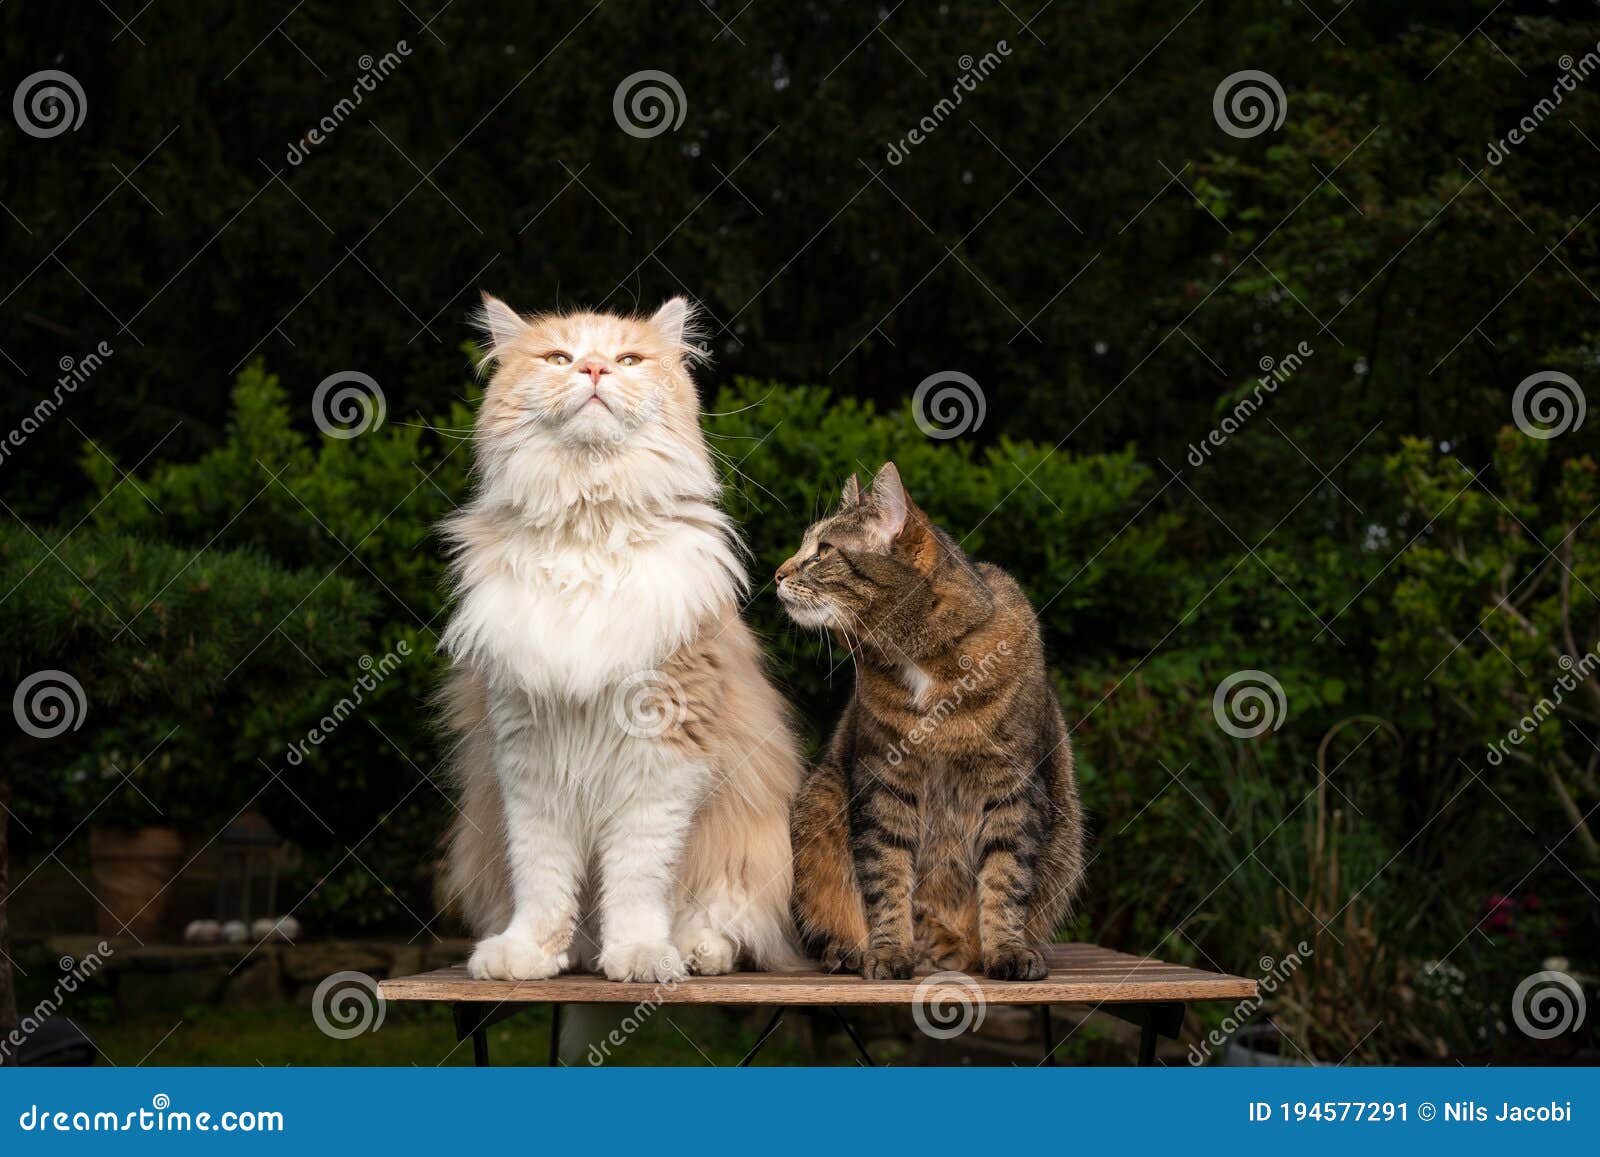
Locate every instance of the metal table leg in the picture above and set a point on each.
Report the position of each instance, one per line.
(554, 1057)
(1160, 1019)
(772, 1027)
(855, 1039)
(1049, 1036)
(473, 1018)
(1147, 1044)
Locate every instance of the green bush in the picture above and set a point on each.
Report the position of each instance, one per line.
(1206, 848)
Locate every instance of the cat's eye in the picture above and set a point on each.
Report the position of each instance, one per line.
(629, 360)
(558, 358)
(823, 551)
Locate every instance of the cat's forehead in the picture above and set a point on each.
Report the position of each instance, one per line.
(600, 332)
(849, 527)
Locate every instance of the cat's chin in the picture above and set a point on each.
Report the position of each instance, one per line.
(809, 616)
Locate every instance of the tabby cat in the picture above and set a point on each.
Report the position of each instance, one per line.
(942, 827)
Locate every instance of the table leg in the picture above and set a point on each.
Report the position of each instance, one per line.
(1154, 1019)
(480, 1047)
(1049, 1036)
(1147, 1043)
(855, 1039)
(554, 1057)
(772, 1027)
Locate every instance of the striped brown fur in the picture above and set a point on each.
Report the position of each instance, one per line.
(941, 827)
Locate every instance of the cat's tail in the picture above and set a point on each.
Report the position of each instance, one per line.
(476, 883)
(738, 867)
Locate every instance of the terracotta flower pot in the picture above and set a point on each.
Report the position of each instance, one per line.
(131, 872)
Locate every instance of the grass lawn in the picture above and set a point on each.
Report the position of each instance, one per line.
(286, 1035)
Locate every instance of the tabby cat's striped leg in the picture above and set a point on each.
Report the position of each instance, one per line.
(885, 853)
(1007, 852)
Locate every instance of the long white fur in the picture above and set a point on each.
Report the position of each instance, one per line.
(592, 551)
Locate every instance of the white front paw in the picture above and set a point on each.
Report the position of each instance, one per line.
(512, 956)
(707, 952)
(649, 962)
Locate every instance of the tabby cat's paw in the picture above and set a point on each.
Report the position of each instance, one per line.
(1019, 963)
(510, 956)
(887, 964)
(655, 963)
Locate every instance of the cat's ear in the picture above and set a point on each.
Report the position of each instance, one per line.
(672, 320)
(890, 501)
(851, 494)
(500, 324)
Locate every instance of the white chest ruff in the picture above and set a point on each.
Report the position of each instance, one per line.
(569, 621)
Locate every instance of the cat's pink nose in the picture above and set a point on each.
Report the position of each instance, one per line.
(594, 369)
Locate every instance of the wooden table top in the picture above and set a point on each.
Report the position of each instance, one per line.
(1079, 973)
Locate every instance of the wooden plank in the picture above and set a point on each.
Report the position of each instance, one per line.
(1079, 973)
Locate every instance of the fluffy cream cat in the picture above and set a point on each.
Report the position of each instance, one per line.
(626, 768)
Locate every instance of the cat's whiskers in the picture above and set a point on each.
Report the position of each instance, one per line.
(443, 431)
